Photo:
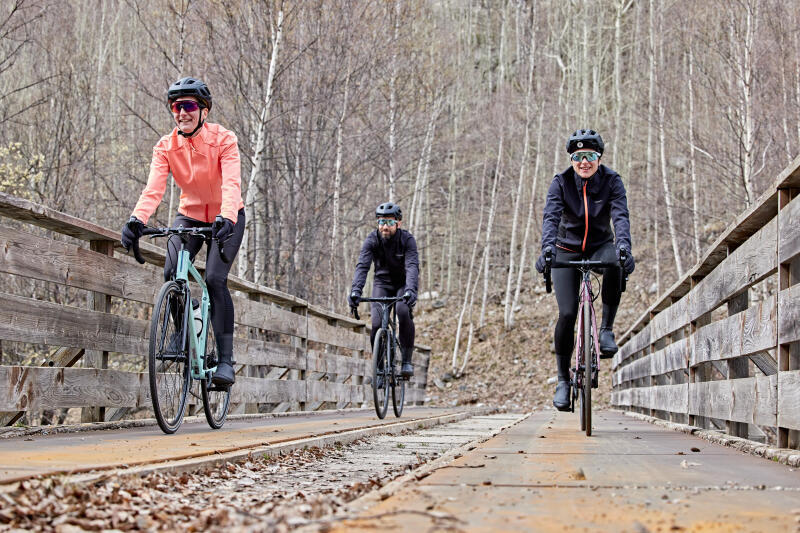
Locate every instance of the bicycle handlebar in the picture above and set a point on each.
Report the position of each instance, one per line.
(381, 299)
(180, 230)
(585, 264)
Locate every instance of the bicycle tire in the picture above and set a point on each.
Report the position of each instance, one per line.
(380, 364)
(588, 344)
(398, 389)
(168, 365)
(215, 402)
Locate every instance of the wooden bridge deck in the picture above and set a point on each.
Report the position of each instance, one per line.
(545, 475)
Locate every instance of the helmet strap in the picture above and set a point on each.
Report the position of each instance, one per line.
(191, 134)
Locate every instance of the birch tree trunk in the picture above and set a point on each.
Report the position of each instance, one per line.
(692, 168)
(489, 224)
(508, 314)
(393, 103)
(337, 184)
(746, 95)
(662, 142)
(622, 8)
(531, 215)
(466, 302)
(258, 154)
(423, 164)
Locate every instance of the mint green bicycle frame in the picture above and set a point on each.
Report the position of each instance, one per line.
(182, 272)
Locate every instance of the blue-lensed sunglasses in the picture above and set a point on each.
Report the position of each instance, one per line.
(387, 222)
(589, 156)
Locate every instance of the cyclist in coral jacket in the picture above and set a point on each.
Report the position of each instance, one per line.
(204, 160)
(581, 205)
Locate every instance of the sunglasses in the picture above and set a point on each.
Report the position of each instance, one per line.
(187, 105)
(387, 222)
(589, 156)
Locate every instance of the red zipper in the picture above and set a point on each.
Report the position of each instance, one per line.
(586, 213)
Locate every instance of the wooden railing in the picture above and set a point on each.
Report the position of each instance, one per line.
(720, 348)
(290, 354)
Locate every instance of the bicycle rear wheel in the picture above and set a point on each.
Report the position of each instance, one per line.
(588, 345)
(168, 357)
(380, 373)
(398, 388)
(215, 401)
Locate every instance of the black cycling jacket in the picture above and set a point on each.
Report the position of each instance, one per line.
(396, 261)
(578, 213)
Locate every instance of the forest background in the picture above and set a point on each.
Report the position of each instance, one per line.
(456, 109)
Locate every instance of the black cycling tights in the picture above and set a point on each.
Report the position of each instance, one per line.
(404, 318)
(216, 269)
(566, 282)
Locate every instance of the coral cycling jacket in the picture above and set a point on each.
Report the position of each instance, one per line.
(207, 169)
(578, 212)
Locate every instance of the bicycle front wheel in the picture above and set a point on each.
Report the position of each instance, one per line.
(398, 390)
(588, 345)
(215, 400)
(168, 357)
(380, 373)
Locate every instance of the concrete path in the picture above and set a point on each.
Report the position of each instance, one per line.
(543, 474)
(23, 457)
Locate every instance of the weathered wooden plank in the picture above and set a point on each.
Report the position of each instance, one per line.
(637, 343)
(789, 315)
(45, 217)
(257, 390)
(338, 364)
(672, 398)
(751, 262)
(257, 352)
(672, 357)
(320, 331)
(38, 322)
(765, 362)
(635, 370)
(268, 317)
(328, 391)
(670, 319)
(789, 399)
(31, 256)
(744, 333)
(788, 235)
(621, 398)
(752, 400)
(30, 388)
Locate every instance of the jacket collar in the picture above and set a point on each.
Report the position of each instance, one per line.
(201, 137)
(593, 182)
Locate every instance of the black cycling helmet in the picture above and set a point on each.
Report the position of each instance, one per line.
(190, 87)
(585, 140)
(389, 209)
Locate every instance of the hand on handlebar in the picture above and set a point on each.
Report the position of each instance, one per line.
(221, 230)
(544, 260)
(354, 298)
(131, 232)
(625, 258)
(410, 297)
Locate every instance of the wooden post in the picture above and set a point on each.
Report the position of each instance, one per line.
(784, 282)
(701, 372)
(302, 343)
(94, 359)
(738, 367)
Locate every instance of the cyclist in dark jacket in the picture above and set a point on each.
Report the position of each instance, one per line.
(582, 203)
(394, 252)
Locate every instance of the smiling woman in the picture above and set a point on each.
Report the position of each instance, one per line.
(582, 203)
(204, 160)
